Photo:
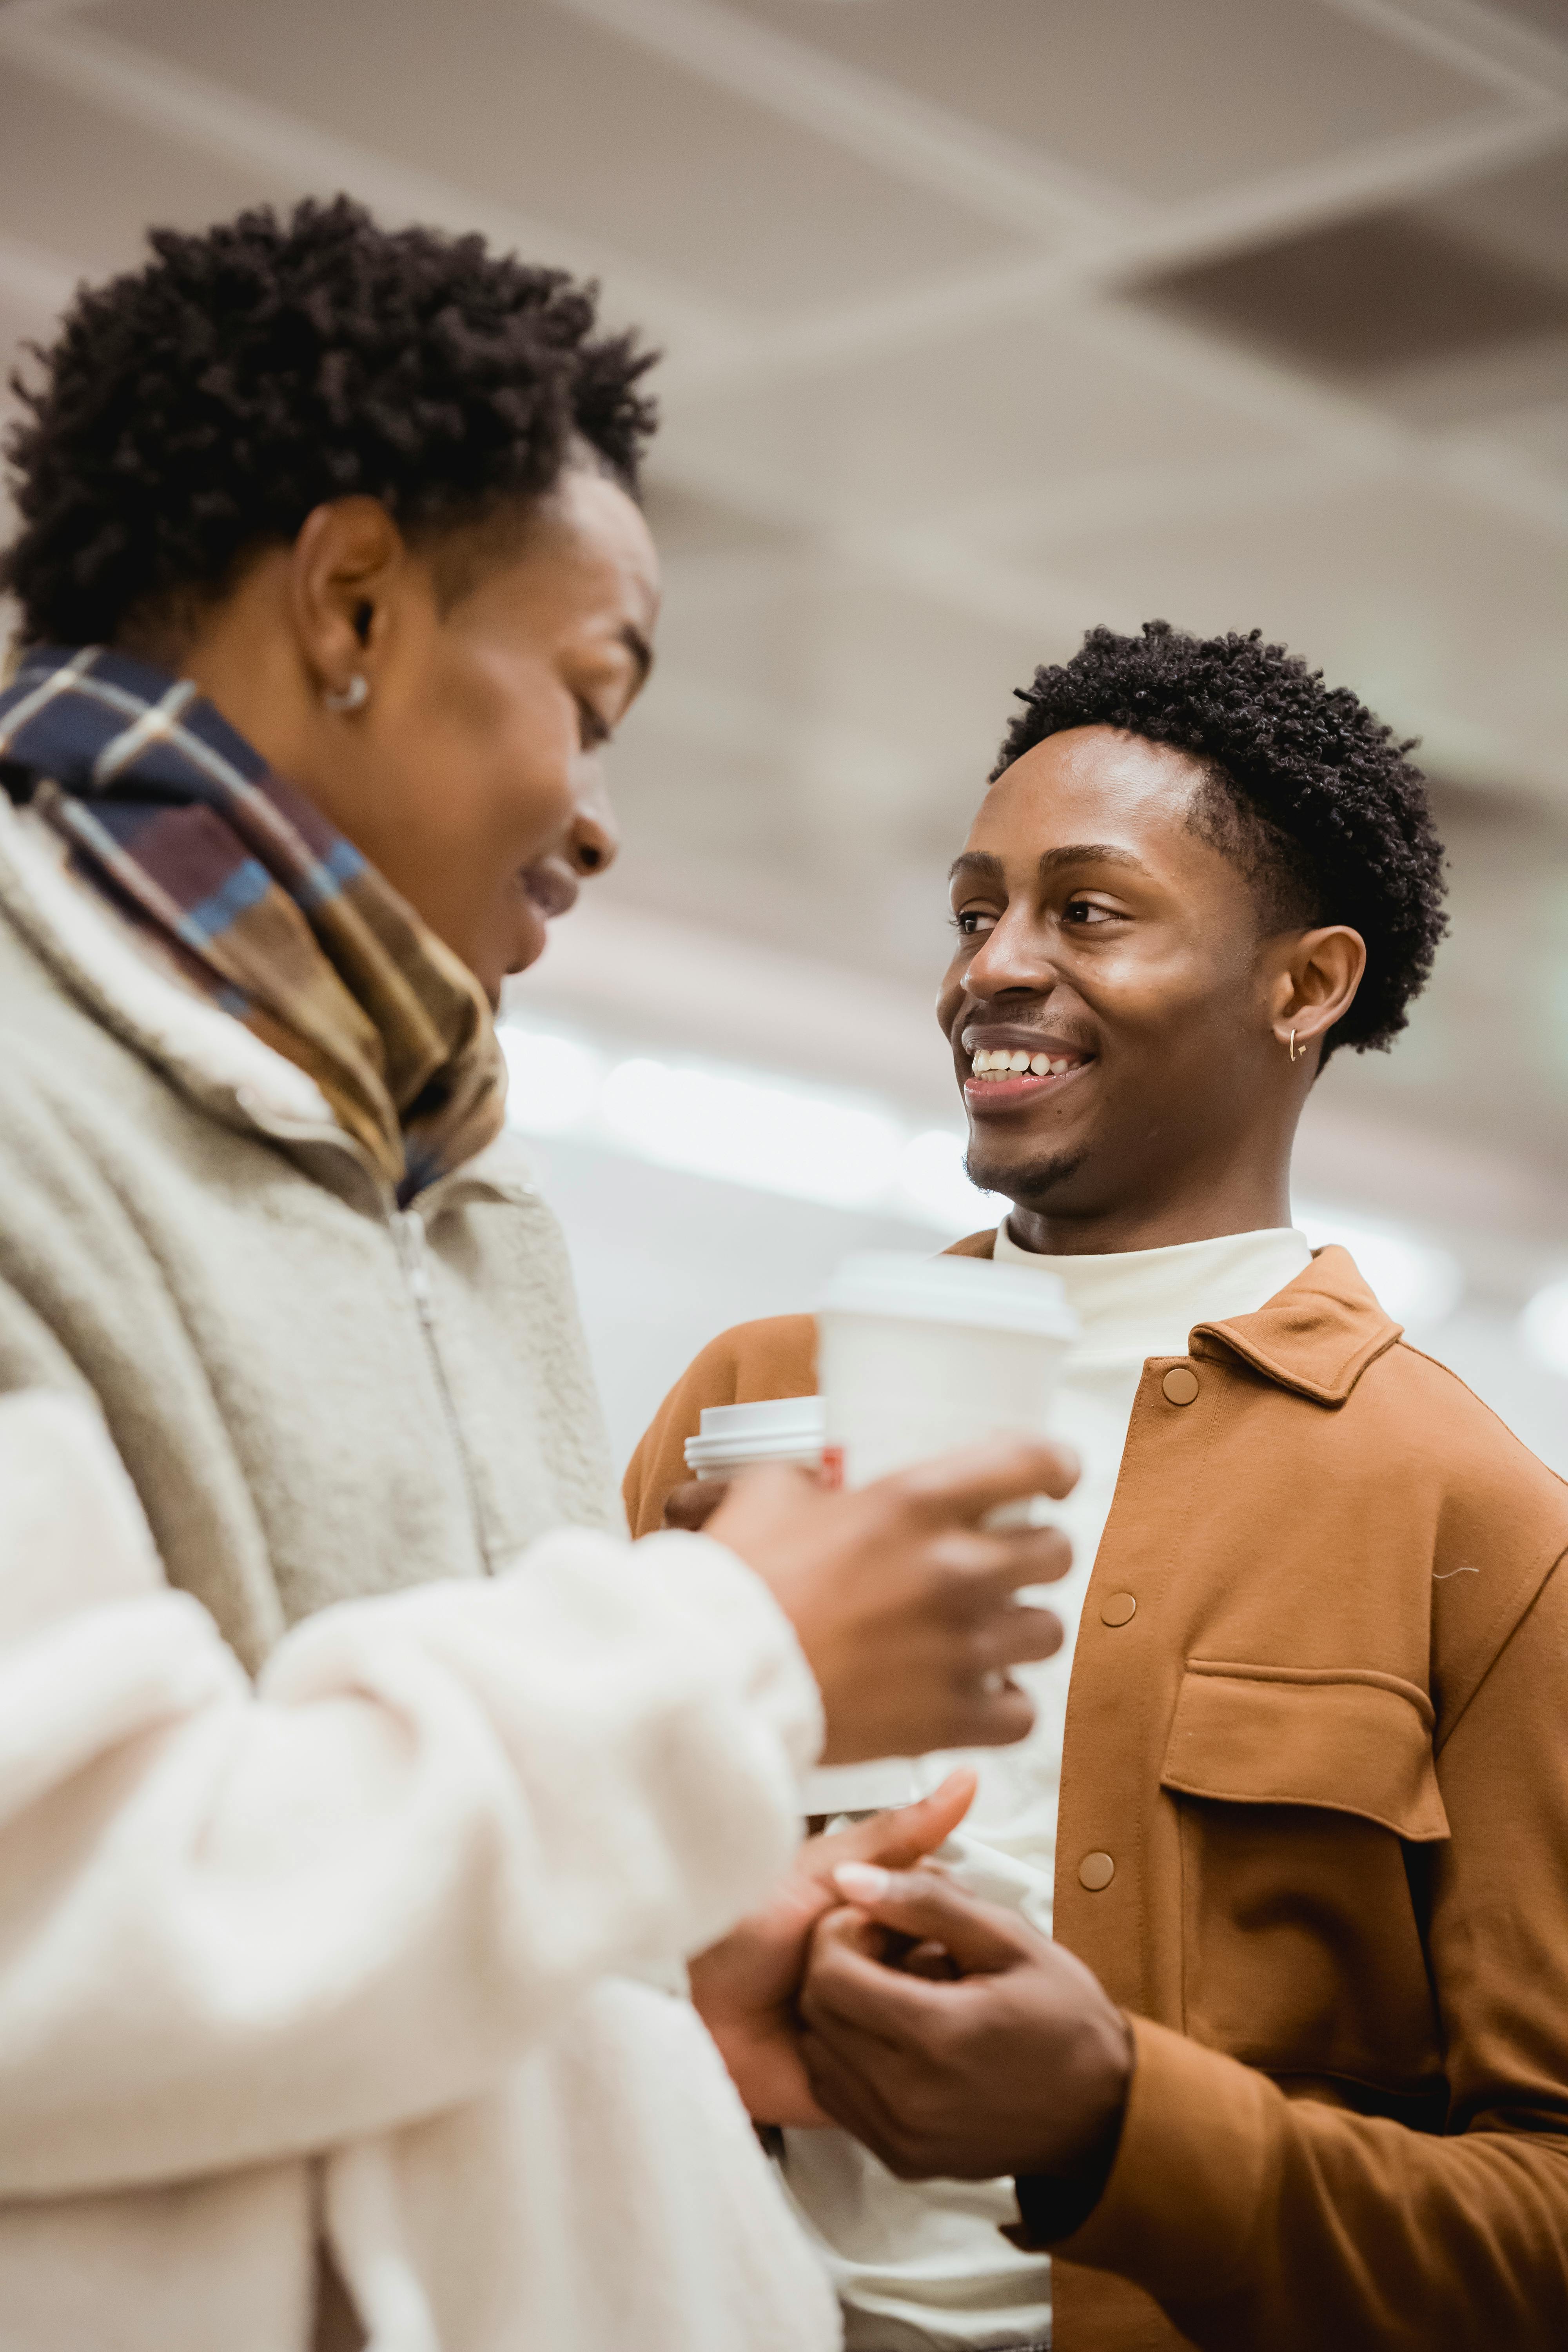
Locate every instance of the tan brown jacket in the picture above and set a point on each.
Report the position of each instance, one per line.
(1327, 1755)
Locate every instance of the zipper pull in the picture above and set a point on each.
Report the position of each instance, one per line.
(411, 1228)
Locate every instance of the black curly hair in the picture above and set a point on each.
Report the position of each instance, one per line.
(198, 408)
(1302, 787)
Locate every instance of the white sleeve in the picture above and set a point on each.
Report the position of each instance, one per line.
(238, 1923)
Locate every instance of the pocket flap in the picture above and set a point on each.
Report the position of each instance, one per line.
(1353, 1742)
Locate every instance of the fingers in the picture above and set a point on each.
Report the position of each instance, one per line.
(965, 1485)
(843, 2093)
(898, 1839)
(851, 1990)
(1005, 1560)
(929, 1910)
(990, 1713)
(693, 1505)
(1014, 1637)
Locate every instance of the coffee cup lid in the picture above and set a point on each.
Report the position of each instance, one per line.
(776, 1429)
(970, 1291)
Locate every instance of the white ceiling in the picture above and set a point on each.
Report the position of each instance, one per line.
(921, 427)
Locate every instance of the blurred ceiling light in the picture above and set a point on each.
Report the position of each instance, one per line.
(553, 1081)
(778, 1138)
(1416, 1283)
(1543, 1327)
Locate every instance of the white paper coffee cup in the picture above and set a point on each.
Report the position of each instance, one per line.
(917, 1356)
(736, 1437)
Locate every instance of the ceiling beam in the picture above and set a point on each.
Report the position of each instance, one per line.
(996, 177)
(217, 120)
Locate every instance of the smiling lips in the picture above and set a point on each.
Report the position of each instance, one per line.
(551, 886)
(1003, 1063)
(1002, 1075)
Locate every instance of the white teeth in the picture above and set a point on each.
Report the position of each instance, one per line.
(1000, 1060)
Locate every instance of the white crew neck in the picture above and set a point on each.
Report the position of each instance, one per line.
(1146, 1302)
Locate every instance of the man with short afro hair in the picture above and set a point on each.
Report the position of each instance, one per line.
(1294, 2070)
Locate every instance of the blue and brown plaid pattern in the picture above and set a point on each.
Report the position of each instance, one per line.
(175, 818)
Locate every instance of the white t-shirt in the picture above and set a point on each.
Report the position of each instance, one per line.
(923, 2265)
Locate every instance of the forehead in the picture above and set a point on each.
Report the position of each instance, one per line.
(1090, 783)
(1097, 785)
(585, 558)
(599, 538)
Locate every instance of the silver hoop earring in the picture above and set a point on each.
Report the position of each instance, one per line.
(1295, 1056)
(353, 697)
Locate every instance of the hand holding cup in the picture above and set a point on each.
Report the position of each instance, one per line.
(903, 1599)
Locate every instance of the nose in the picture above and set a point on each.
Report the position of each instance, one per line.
(1010, 960)
(594, 843)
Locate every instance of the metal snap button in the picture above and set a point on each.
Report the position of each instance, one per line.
(1096, 1871)
(1117, 1609)
(1180, 1384)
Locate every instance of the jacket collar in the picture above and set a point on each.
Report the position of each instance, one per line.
(210, 1057)
(1317, 1336)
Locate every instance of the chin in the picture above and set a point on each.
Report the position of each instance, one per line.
(1030, 1182)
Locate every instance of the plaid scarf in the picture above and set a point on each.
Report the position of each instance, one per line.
(279, 918)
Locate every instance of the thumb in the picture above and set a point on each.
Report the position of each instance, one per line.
(910, 1832)
(982, 1937)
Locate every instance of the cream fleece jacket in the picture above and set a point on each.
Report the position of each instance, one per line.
(368, 1948)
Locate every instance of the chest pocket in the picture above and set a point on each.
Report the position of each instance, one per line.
(1307, 1798)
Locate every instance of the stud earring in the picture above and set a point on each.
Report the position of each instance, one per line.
(1295, 1056)
(353, 697)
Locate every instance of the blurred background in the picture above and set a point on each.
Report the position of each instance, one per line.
(985, 320)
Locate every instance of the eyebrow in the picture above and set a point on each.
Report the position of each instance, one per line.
(983, 866)
(1089, 853)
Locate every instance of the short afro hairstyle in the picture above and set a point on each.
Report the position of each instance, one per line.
(1303, 788)
(199, 408)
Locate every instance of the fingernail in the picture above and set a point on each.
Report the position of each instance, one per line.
(862, 1881)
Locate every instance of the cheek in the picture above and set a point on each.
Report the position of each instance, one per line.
(512, 743)
(1170, 992)
(957, 977)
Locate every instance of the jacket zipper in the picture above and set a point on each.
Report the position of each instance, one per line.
(408, 1234)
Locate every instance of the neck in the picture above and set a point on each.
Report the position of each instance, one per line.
(1197, 1209)
(243, 658)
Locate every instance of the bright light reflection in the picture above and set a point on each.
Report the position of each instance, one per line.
(1543, 1327)
(553, 1081)
(1416, 1283)
(777, 1138)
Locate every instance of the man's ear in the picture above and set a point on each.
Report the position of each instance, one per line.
(343, 568)
(1315, 983)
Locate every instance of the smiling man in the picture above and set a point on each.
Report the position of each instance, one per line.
(1297, 1797)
